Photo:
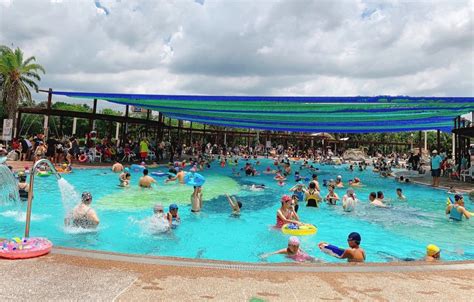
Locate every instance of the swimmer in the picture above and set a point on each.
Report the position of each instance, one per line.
(23, 187)
(172, 216)
(196, 199)
(456, 211)
(339, 183)
(376, 201)
(286, 213)
(354, 253)
(279, 177)
(117, 167)
(349, 201)
(179, 176)
(433, 253)
(257, 187)
(315, 181)
(293, 251)
(83, 215)
(146, 181)
(356, 182)
(331, 197)
(312, 196)
(452, 190)
(234, 204)
(159, 220)
(400, 195)
(124, 179)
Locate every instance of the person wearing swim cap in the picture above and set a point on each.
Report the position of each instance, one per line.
(172, 216)
(433, 253)
(293, 251)
(354, 253)
(339, 183)
(83, 216)
(457, 210)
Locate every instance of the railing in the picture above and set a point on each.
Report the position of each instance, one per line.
(30, 191)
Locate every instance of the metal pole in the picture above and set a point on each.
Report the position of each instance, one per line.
(74, 126)
(438, 140)
(426, 140)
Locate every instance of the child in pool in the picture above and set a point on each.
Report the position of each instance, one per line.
(400, 195)
(433, 253)
(354, 253)
(234, 204)
(172, 216)
(125, 179)
(293, 251)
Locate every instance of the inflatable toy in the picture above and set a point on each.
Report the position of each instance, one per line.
(43, 173)
(194, 179)
(331, 250)
(137, 168)
(160, 174)
(299, 230)
(83, 158)
(25, 248)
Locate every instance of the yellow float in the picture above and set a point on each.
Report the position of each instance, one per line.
(299, 230)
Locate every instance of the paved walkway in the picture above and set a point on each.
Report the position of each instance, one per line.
(71, 277)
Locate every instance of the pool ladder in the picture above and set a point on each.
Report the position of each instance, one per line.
(30, 190)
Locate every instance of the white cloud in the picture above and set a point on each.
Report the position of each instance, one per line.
(247, 47)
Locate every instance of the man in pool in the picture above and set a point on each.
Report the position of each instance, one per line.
(457, 211)
(179, 176)
(146, 181)
(353, 254)
(117, 167)
(376, 199)
(83, 216)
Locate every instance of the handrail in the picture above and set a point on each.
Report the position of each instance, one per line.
(30, 190)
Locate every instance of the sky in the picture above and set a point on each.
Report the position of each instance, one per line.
(259, 47)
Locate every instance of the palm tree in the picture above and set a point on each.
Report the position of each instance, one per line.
(16, 75)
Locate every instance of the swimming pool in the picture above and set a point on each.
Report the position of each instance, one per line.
(387, 234)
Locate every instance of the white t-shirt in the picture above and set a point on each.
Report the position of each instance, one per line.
(348, 203)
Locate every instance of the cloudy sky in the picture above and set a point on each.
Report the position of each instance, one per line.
(257, 47)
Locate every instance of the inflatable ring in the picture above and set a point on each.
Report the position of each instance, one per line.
(43, 173)
(194, 179)
(137, 168)
(159, 174)
(26, 248)
(302, 230)
(82, 158)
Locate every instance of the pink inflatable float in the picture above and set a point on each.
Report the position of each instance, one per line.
(23, 248)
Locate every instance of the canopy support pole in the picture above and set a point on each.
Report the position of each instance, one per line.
(74, 125)
(438, 141)
(426, 140)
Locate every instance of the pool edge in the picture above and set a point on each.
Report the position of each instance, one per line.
(416, 266)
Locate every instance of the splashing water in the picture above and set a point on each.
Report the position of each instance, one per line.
(69, 195)
(8, 186)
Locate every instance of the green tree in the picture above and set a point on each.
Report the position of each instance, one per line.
(17, 75)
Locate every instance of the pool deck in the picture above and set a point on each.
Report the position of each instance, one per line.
(71, 274)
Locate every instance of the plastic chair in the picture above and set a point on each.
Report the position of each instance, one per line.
(151, 155)
(94, 155)
(467, 173)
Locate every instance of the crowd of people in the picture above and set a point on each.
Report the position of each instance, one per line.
(306, 191)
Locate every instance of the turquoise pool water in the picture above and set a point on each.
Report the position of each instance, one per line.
(387, 234)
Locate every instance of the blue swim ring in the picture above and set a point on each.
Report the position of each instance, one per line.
(194, 179)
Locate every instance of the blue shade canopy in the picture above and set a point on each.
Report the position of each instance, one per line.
(301, 114)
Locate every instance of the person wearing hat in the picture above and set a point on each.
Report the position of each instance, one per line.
(353, 254)
(339, 183)
(456, 210)
(433, 253)
(299, 191)
(435, 168)
(83, 216)
(172, 216)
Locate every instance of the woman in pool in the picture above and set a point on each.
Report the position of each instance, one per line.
(293, 251)
(83, 216)
(23, 187)
(331, 197)
(286, 213)
(312, 196)
(456, 211)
